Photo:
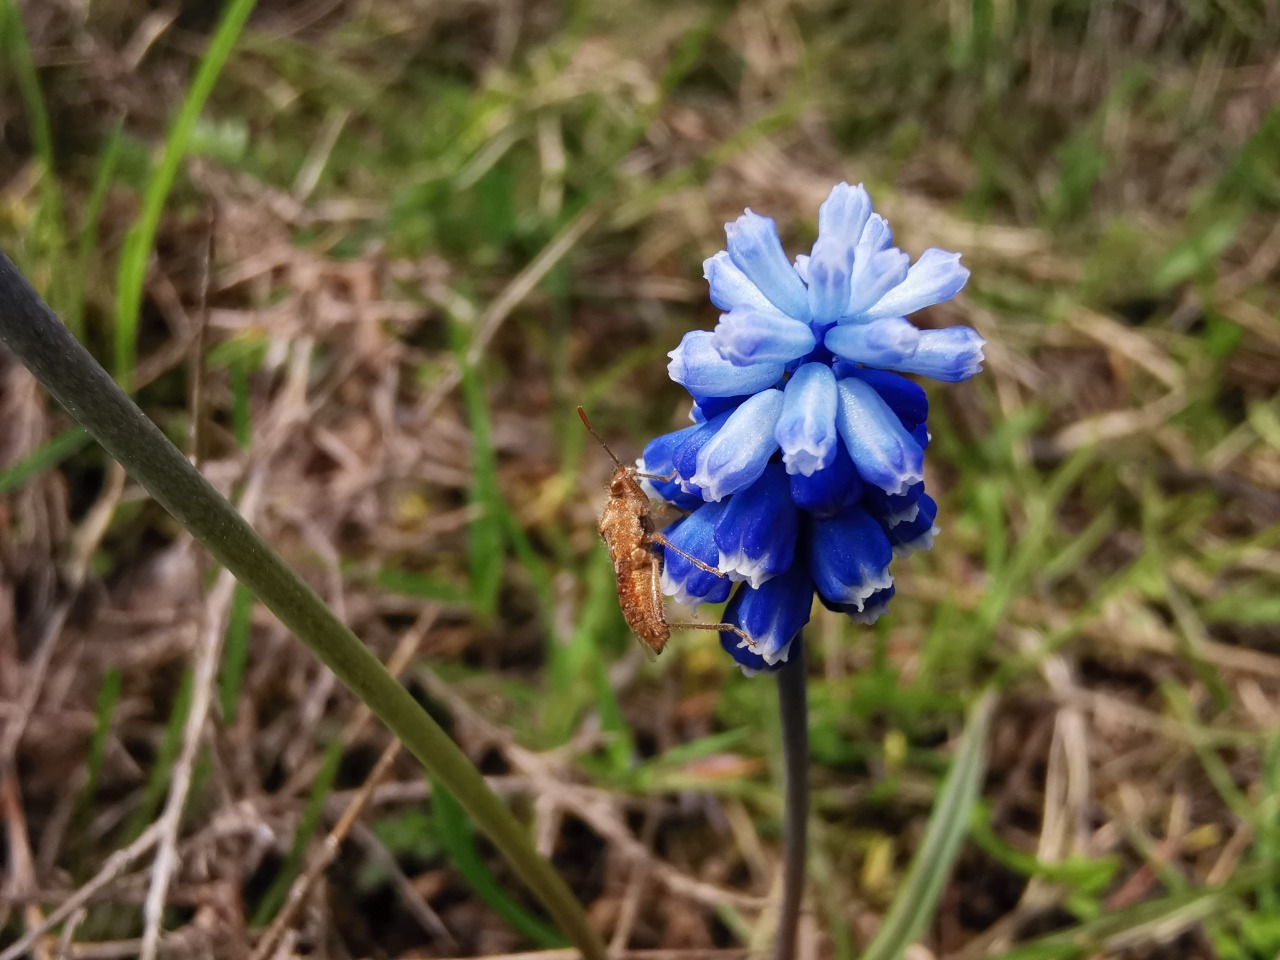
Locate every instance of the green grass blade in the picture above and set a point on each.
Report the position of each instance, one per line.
(307, 824)
(913, 907)
(1267, 847)
(1210, 237)
(1159, 919)
(157, 787)
(454, 830)
(620, 746)
(533, 565)
(108, 697)
(823, 877)
(88, 240)
(16, 49)
(568, 664)
(49, 454)
(410, 584)
(485, 539)
(132, 273)
(235, 652)
(235, 649)
(241, 422)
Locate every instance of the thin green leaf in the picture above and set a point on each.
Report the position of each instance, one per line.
(162, 768)
(569, 664)
(88, 240)
(307, 825)
(454, 829)
(49, 454)
(16, 49)
(410, 584)
(132, 273)
(1197, 253)
(620, 745)
(108, 697)
(235, 652)
(1154, 920)
(485, 539)
(913, 907)
(241, 421)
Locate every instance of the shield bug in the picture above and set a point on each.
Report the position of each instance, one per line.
(627, 528)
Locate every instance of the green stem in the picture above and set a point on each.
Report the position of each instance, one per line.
(33, 332)
(793, 710)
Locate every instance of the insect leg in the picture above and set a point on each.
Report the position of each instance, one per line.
(655, 602)
(653, 476)
(722, 627)
(661, 538)
(655, 584)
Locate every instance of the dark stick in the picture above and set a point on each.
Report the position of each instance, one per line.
(793, 709)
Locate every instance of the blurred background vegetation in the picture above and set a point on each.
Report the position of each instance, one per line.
(366, 281)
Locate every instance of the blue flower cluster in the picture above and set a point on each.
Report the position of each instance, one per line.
(803, 470)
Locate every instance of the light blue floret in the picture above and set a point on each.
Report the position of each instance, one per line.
(736, 456)
(844, 215)
(876, 235)
(936, 277)
(952, 354)
(806, 430)
(880, 343)
(828, 274)
(884, 453)
(698, 367)
(746, 336)
(875, 274)
(730, 287)
(756, 249)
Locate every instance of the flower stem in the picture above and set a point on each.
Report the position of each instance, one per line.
(793, 709)
(33, 332)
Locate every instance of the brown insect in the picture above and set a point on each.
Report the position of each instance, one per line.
(626, 526)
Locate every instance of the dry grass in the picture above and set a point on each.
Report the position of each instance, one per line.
(438, 227)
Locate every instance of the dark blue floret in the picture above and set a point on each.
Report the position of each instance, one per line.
(695, 535)
(850, 557)
(905, 398)
(756, 535)
(708, 408)
(772, 615)
(884, 505)
(659, 461)
(831, 490)
(916, 533)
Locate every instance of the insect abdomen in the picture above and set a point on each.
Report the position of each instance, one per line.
(640, 596)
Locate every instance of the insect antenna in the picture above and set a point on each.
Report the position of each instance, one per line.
(587, 423)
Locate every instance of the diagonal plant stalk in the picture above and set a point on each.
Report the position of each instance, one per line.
(793, 711)
(34, 333)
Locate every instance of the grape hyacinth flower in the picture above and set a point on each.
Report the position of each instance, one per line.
(803, 471)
